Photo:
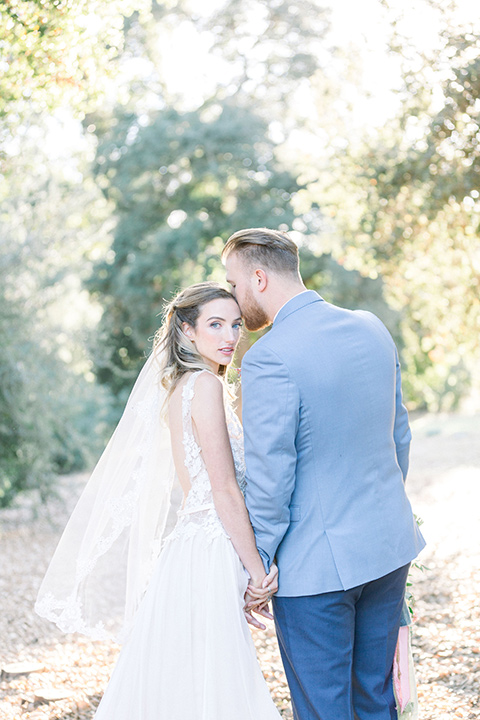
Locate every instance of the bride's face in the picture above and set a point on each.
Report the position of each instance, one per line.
(216, 332)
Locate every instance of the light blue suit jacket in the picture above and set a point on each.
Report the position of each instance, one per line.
(326, 445)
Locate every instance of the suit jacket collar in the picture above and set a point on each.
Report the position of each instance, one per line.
(296, 303)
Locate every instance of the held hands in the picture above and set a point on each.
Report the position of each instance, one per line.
(258, 596)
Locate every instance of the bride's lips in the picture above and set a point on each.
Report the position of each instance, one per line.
(226, 351)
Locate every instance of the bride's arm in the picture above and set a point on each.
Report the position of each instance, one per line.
(208, 414)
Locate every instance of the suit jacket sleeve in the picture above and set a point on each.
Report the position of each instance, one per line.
(401, 431)
(271, 405)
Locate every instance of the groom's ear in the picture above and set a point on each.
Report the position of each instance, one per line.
(260, 280)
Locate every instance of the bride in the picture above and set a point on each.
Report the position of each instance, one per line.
(178, 604)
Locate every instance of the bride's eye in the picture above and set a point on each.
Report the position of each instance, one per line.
(215, 325)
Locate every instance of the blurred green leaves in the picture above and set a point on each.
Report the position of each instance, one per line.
(54, 56)
(181, 185)
(57, 52)
(43, 408)
(405, 207)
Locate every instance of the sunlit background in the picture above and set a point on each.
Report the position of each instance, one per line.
(135, 137)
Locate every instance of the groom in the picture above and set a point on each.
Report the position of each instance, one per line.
(326, 445)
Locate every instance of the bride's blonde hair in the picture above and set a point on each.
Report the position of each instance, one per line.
(179, 352)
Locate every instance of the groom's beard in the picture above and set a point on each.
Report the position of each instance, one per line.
(254, 316)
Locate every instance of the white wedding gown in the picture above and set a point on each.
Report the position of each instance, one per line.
(190, 655)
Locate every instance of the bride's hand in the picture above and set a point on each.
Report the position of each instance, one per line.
(258, 606)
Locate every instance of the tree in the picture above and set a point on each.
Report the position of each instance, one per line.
(181, 186)
(57, 52)
(412, 216)
(60, 59)
(48, 402)
(272, 49)
(54, 54)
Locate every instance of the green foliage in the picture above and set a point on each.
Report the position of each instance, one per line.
(398, 233)
(406, 207)
(55, 52)
(43, 408)
(181, 186)
(348, 288)
(51, 415)
(273, 46)
(61, 55)
(426, 210)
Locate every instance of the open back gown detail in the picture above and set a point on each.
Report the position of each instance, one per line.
(190, 655)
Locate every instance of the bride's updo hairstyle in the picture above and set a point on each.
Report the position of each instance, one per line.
(179, 352)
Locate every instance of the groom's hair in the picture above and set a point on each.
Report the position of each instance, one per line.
(271, 249)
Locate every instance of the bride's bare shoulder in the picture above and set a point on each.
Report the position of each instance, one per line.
(208, 380)
(208, 395)
(207, 387)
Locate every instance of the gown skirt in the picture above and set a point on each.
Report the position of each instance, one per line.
(190, 655)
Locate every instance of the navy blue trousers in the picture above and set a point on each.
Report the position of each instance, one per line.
(338, 649)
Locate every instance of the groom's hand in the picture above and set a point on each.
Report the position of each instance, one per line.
(268, 587)
(257, 598)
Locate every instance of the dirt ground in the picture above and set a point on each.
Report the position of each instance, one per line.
(46, 675)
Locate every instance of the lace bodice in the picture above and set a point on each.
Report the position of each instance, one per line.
(198, 508)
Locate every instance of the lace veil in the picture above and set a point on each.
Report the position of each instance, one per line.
(105, 556)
